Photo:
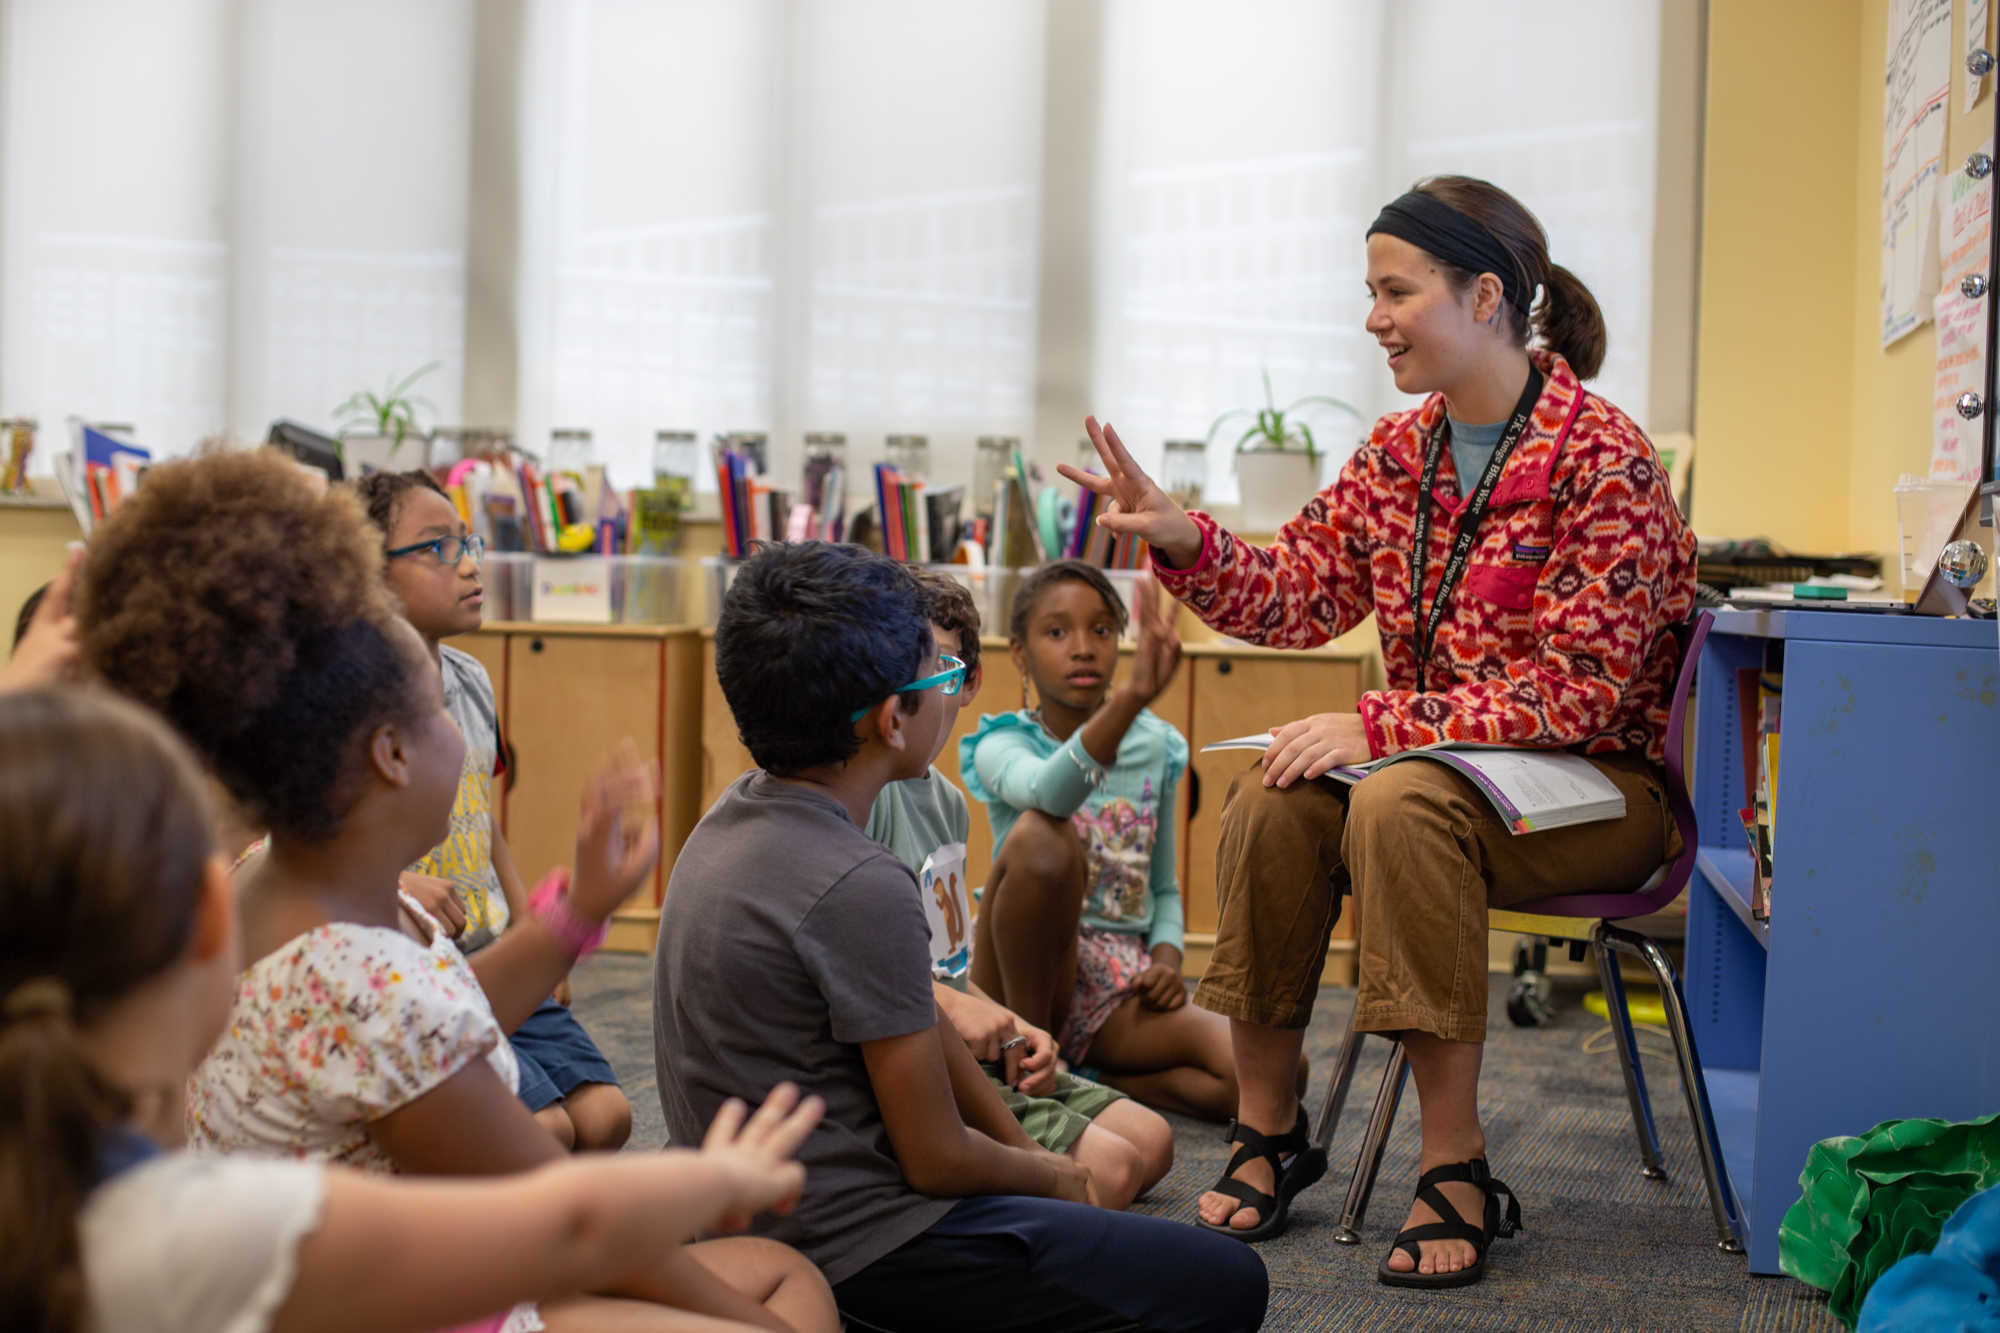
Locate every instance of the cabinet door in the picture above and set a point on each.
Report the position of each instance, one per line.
(724, 757)
(571, 698)
(1235, 697)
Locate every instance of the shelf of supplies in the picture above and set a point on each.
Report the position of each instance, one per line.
(1727, 871)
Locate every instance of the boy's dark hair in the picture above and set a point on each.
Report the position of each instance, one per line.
(27, 616)
(952, 610)
(382, 493)
(809, 632)
(1048, 576)
(246, 605)
(105, 837)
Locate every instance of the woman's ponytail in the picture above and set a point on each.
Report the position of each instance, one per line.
(105, 839)
(53, 1112)
(1565, 319)
(1568, 322)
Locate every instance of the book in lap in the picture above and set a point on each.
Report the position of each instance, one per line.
(1532, 789)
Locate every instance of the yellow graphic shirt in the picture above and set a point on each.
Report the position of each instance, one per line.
(466, 855)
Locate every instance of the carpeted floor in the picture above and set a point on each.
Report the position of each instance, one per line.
(1603, 1247)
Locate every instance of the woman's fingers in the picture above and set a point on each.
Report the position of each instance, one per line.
(1090, 481)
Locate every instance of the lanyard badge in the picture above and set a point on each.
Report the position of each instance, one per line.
(1468, 523)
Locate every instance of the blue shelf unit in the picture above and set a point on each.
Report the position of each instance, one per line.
(1870, 996)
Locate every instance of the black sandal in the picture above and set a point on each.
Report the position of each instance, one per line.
(1307, 1165)
(1453, 1227)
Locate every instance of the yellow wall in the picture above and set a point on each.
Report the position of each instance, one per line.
(1803, 422)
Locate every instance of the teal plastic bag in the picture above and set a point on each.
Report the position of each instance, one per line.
(1870, 1201)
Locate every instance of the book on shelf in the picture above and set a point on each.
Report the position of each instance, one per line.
(1532, 790)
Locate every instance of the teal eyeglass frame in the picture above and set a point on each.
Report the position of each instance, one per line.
(473, 545)
(951, 680)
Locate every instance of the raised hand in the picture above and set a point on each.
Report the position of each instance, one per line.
(47, 654)
(1159, 648)
(1138, 505)
(758, 1152)
(618, 835)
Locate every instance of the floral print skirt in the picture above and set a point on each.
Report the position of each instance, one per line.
(1108, 964)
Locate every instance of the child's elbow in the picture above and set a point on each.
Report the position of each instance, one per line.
(934, 1170)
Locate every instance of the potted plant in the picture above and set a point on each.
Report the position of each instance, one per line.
(373, 426)
(1277, 460)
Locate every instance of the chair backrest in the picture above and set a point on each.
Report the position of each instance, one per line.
(1689, 635)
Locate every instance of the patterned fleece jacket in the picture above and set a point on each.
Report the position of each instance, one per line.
(1558, 633)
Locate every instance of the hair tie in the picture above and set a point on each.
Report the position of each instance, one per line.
(40, 997)
(1437, 228)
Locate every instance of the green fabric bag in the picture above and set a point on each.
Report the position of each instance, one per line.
(1867, 1202)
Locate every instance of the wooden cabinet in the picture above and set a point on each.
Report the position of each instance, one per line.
(566, 696)
(1238, 691)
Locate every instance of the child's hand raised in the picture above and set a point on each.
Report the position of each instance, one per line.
(758, 1152)
(618, 835)
(1159, 648)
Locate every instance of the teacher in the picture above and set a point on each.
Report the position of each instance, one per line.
(1517, 541)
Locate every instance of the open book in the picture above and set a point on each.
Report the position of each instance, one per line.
(1532, 789)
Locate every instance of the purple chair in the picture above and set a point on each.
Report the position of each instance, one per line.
(1580, 919)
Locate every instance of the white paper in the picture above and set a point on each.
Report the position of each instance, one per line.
(572, 592)
(1975, 40)
(1965, 225)
(948, 909)
(1258, 741)
(1915, 102)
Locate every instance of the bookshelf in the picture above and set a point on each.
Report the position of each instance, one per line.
(1868, 995)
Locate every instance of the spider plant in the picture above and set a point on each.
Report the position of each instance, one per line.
(392, 412)
(1274, 429)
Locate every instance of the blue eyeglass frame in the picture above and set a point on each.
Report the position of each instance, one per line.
(472, 542)
(950, 681)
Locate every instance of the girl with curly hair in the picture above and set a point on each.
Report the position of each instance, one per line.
(246, 604)
(118, 960)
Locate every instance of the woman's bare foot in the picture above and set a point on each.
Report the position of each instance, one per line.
(1222, 1209)
(1443, 1256)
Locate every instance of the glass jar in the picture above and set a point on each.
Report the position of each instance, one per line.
(676, 453)
(995, 454)
(570, 450)
(909, 455)
(752, 444)
(825, 451)
(1184, 471)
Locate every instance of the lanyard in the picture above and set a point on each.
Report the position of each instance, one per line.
(1468, 521)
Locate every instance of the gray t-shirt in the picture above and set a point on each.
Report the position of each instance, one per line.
(787, 938)
(1472, 449)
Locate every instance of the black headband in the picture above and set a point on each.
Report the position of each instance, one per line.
(1441, 230)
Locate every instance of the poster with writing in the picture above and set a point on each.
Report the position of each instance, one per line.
(1915, 102)
(1975, 40)
(1965, 225)
(948, 909)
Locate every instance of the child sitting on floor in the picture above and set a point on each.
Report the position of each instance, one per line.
(1079, 930)
(118, 958)
(249, 608)
(794, 947)
(433, 567)
(924, 821)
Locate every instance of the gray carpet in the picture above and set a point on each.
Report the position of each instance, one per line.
(1603, 1247)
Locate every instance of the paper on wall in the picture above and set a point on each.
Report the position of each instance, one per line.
(1916, 99)
(1965, 226)
(1975, 40)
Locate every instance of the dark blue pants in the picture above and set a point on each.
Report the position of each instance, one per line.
(556, 1056)
(1004, 1264)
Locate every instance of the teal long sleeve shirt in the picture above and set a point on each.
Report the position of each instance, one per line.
(1124, 813)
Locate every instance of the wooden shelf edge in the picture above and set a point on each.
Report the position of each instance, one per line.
(633, 930)
(599, 631)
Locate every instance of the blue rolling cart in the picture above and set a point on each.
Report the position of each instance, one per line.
(1874, 991)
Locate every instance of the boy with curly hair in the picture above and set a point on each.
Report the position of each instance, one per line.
(432, 564)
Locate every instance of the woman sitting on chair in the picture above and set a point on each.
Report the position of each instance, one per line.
(1517, 541)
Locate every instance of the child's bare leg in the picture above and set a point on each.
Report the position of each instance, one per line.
(601, 1115)
(556, 1121)
(603, 1314)
(1148, 1133)
(1178, 1059)
(1116, 1169)
(776, 1276)
(1024, 952)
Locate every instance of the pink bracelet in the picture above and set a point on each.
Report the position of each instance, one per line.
(550, 904)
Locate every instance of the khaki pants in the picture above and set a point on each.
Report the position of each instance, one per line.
(1425, 855)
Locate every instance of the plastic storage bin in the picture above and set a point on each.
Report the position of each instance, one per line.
(636, 589)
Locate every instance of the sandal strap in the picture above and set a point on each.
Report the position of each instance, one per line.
(1475, 1172)
(1247, 1195)
(1251, 1145)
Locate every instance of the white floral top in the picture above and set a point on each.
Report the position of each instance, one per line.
(336, 1029)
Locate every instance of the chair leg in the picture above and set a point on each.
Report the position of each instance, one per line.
(1336, 1090)
(1708, 1144)
(1368, 1163)
(1650, 1163)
